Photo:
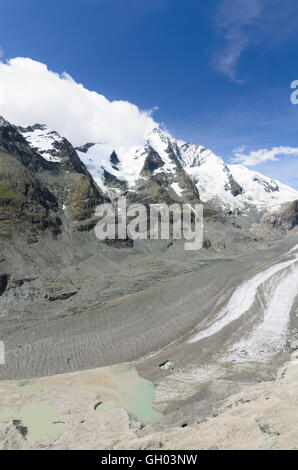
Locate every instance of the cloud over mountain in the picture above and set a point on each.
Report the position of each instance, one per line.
(33, 93)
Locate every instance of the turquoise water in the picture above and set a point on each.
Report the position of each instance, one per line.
(39, 419)
(131, 392)
(123, 388)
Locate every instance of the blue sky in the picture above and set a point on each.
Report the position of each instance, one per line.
(219, 71)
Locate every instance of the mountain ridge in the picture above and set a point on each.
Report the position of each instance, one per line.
(228, 188)
(217, 182)
(162, 170)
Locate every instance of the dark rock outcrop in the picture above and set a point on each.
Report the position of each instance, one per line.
(285, 219)
(34, 192)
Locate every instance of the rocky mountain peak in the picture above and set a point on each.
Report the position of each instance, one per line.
(35, 127)
(3, 122)
(114, 159)
(84, 148)
(43, 140)
(161, 141)
(269, 186)
(164, 161)
(45, 186)
(163, 135)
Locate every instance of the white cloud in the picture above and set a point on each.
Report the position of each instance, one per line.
(34, 94)
(239, 149)
(263, 155)
(236, 21)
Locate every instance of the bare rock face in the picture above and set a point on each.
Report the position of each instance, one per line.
(12, 435)
(36, 187)
(233, 186)
(3, 282)
(285, 219)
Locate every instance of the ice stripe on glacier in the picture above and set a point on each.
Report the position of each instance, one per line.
(241, 300)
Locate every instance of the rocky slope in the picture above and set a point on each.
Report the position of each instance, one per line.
(53, 270)
(285, 219)
(41, 191)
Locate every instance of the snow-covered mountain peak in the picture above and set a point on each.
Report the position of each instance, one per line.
(190, 155)
(159, 140)
(161, 134)
(171, 163)
(226, 187)
(261, 191)
(43, 140)
(193, 154)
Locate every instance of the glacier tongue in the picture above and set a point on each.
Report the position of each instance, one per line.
(272, 293)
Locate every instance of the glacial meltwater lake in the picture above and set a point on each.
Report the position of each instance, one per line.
(41, 404)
